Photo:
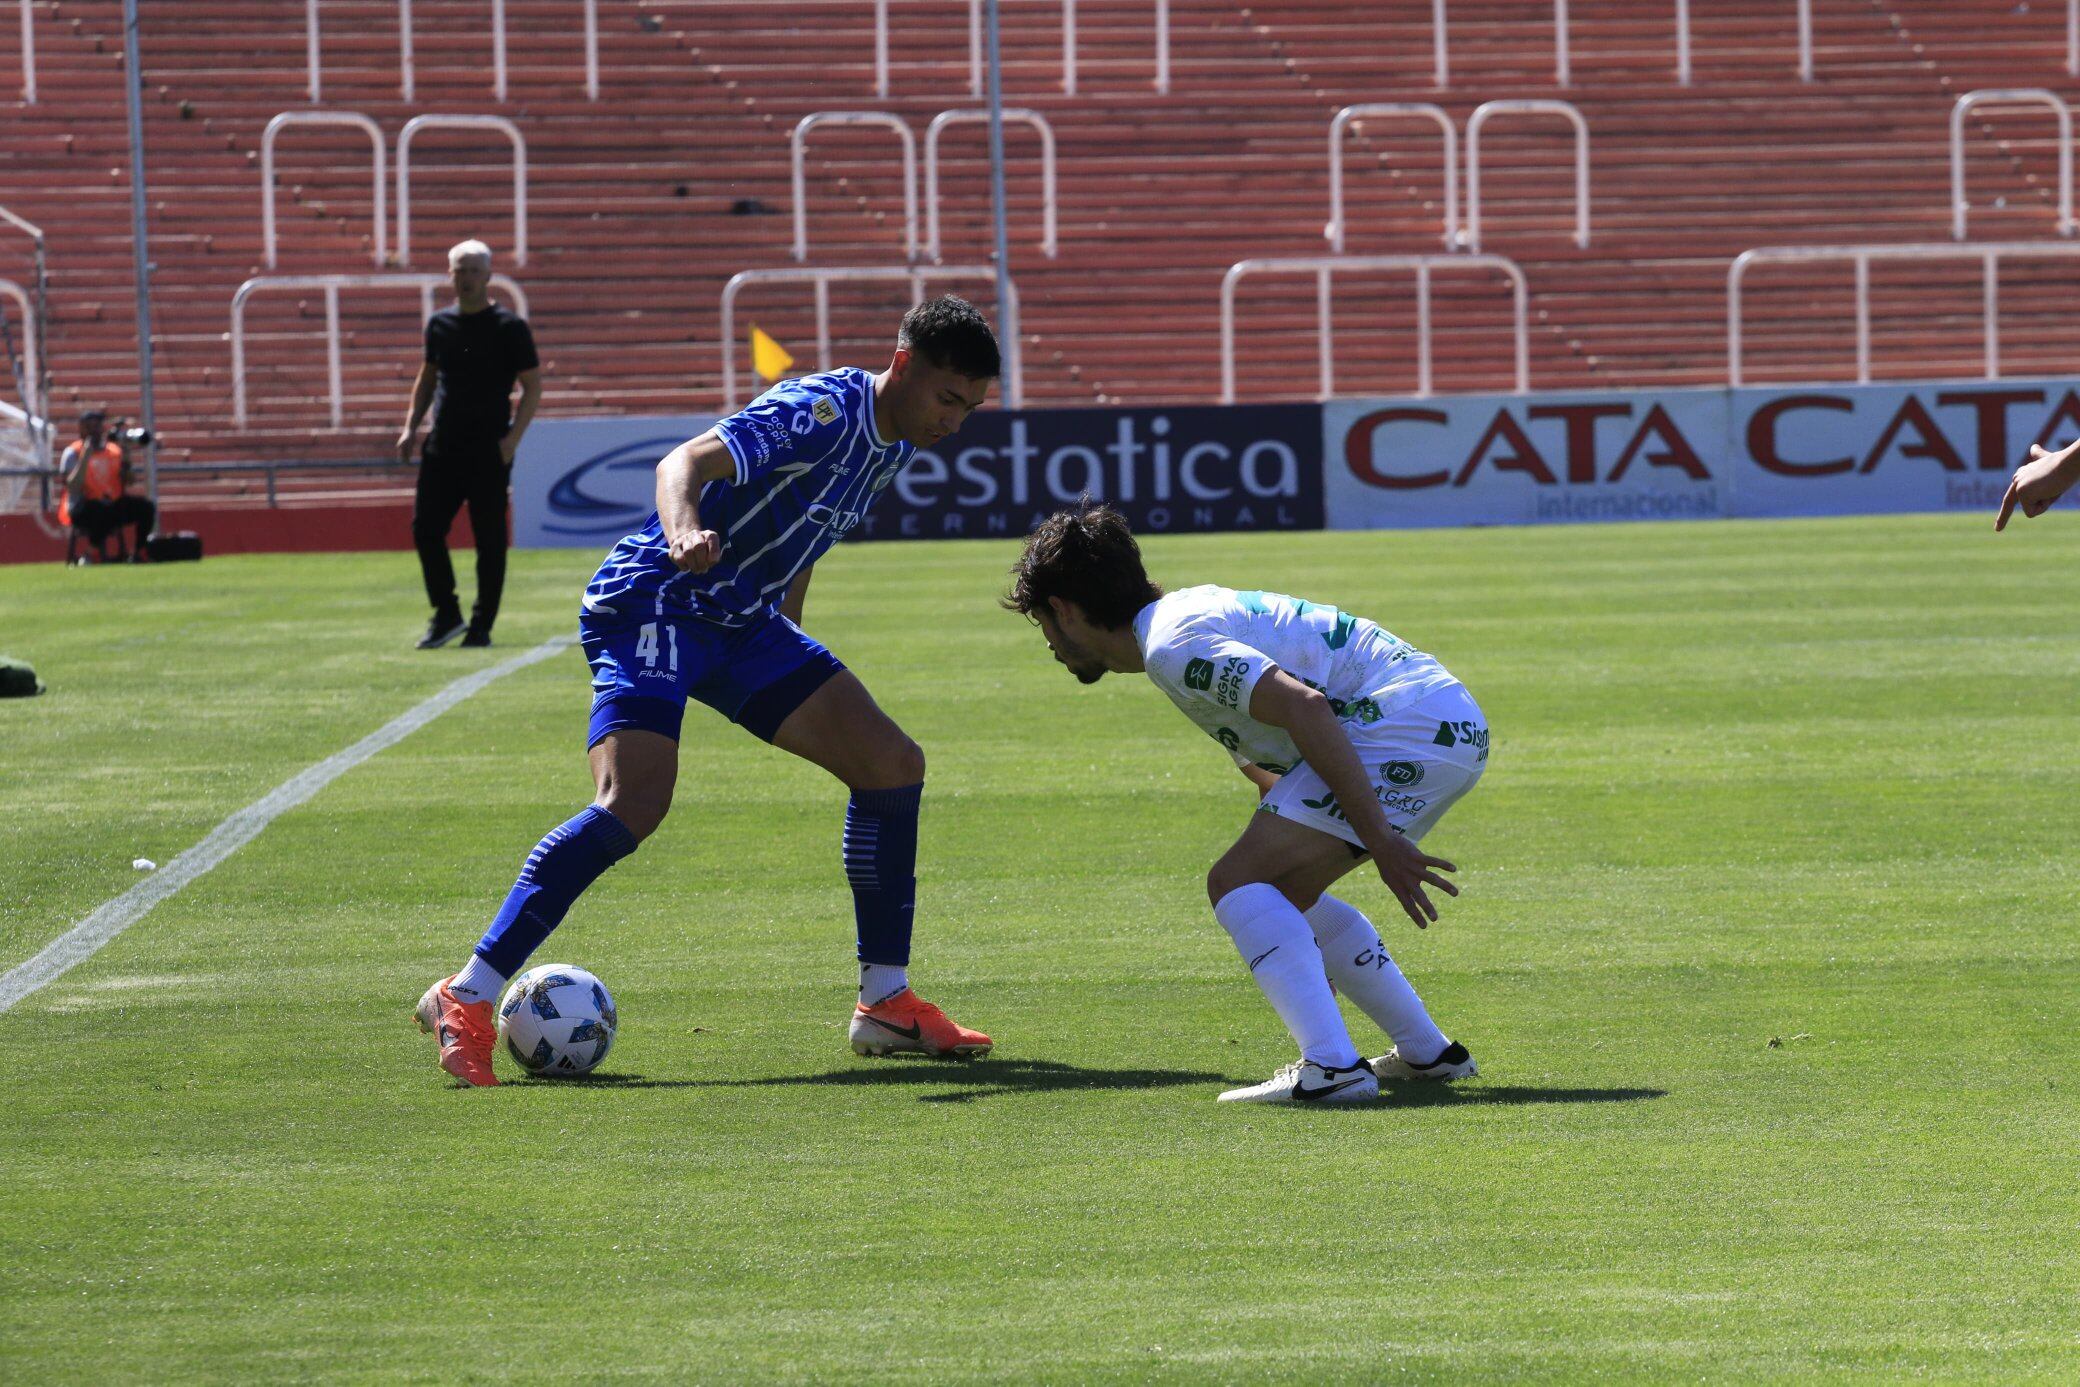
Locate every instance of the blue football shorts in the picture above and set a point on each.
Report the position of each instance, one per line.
(643, 671)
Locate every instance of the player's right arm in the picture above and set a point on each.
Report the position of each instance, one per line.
(422, 397)
(680, 477)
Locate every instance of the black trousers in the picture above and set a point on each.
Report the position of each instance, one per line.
(452, 475)
(97, 520)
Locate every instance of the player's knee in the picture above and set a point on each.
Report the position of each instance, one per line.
(897, 762)
(1228, 877)
(640, 809)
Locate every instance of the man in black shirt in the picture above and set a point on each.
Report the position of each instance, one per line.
(474, 353)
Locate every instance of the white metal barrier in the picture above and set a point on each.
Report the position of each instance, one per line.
(2011, 96)
(1989, 254)
(406, 67)
(28, 55)
(1048, 242)
(1423, 110)
(1162, 28)
(289, 118)
(32, 361)
(1487, 111)
(404, 176)
(38, 400)
(332, 284)
(796, 144)
(1323, 266)
(822, 277)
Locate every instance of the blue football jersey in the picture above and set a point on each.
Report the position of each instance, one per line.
(810, 461)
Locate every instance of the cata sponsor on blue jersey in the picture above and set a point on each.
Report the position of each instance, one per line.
(810, 461)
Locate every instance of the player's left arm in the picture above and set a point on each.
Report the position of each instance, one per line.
(1283, 701)
(2039, 482)
(530, 400)
(797, 593)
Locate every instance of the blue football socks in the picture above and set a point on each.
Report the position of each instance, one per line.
(556, 873)
(881, 864)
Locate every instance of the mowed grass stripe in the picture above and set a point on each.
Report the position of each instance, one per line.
(1795, 782)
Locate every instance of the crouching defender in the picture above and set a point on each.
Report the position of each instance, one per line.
(1357, 743)
(702, 603)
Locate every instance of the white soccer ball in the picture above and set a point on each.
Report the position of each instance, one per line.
(557, 1021)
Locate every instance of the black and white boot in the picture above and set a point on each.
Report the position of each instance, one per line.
(1305, 1081)
(1454, 1063)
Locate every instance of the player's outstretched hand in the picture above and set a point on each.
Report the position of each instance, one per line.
(2036, 484)
(697, 551)
(1407, 869)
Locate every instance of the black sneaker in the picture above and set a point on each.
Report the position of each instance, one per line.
(440, 631)
(477, 638)
(1454, 1063)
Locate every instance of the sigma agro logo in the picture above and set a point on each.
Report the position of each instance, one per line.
(1198, 674)
(1233, 672)
(610, 493)
(1402, 773)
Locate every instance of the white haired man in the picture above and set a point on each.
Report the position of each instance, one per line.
(475, 352)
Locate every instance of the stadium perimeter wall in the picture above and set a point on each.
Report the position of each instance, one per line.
(1349, 464)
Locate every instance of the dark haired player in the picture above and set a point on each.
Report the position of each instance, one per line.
(1357, 743)
(702, 603)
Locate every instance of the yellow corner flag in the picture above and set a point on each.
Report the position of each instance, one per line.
(768, 357)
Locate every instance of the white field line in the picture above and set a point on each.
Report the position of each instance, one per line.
(83, 940)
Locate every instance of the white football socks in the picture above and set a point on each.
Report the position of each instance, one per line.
(1279, 948)
(1359, 966)
(880, 981)
(478, 981)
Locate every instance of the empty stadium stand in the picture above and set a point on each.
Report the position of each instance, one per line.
(644, 202)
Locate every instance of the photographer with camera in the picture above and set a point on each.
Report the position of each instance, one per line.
(97, 474)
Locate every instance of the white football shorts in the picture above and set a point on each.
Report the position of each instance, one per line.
(1420, 759)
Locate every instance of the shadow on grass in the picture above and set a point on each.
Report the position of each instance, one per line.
(1435, 1095)
(961, 1081)
(953, 1081)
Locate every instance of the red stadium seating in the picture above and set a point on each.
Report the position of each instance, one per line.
(644, 202)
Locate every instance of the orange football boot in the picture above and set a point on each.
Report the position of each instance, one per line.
(466, 1031)
(906, 1022)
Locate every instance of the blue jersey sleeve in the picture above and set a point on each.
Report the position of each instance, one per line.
(794, 426)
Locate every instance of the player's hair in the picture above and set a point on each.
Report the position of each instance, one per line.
(952, 334)
(469, 250)
(1086, 555)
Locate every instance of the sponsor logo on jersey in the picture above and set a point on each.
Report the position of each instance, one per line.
(1227, 738)
(838, 522)
(825, 411)
(802, 422)
(1229, 694)
(1198, 674)
(1402, 773)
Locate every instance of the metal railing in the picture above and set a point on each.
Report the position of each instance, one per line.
(2011, 96)
(1989, 254)
(1487, 111)
(1563, 66)
(1322, 267)
(822, 278)
(267, 139)
(406, 66)
(796, 147)
(32, 358)
(1162, 28)
(28, 54)
(332, 284)
(1049, 216)
(39, 315)
(404, 176)
(1424, 110)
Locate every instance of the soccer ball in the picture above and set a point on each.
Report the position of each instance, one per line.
(557, 1021)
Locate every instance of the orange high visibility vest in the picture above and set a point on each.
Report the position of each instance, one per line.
(103, 480)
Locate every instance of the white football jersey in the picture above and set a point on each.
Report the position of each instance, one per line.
(1207, 647)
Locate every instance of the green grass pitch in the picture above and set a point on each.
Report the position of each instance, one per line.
(1767, 950)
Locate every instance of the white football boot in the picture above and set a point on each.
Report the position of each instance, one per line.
(1454, 1063)
(1304, 1081)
